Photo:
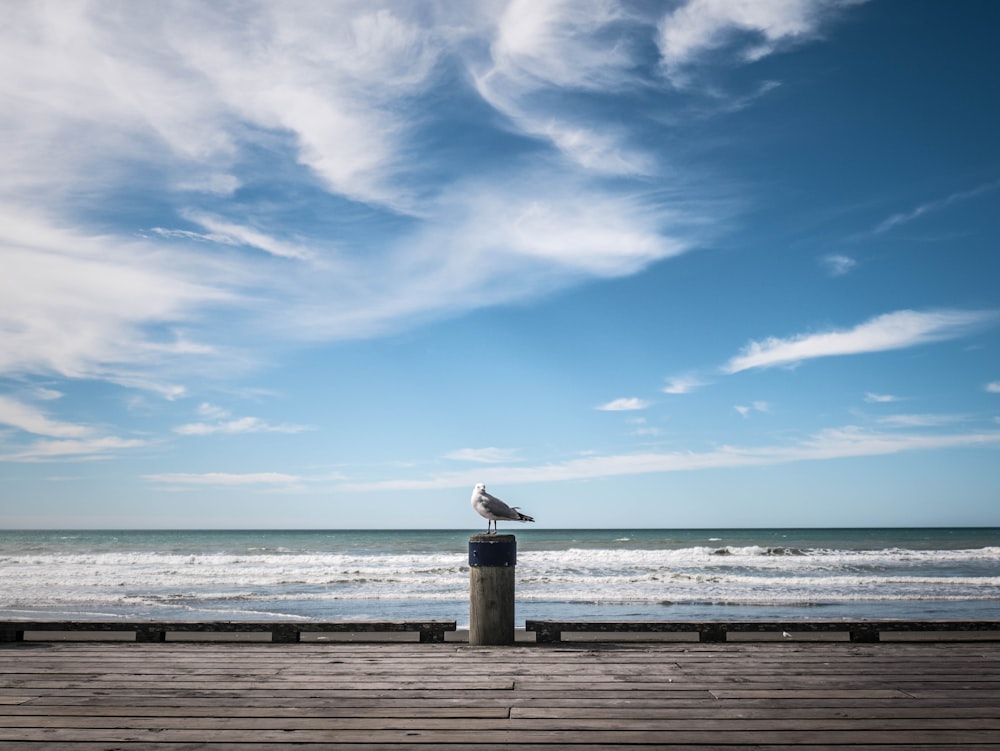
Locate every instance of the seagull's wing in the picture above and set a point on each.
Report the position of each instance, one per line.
(498, 508)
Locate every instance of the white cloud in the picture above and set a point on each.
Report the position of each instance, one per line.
(216, 184)
(828, 445)
(552, 46)
(80, 303)
(874, 398)
(239, 425)
(624, 404)
(553, 42)
(908, 216)
(643, 429)
(905, 328)
(573, 227)
(224, 478)
(488, 455)
(684, 384)
(212, 411)
(993, 387)
(483, 243)
(73, 449)
(758, 406)
(920, 421)
(63, 440)
(192, 85)
(647, 431)
(220, 424)
(228, 233)
(757, 28)
(31, 420)
(46, 394)
(184, 97)
(838, 265)
(186, 105)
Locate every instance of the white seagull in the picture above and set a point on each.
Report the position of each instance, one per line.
(493, 509)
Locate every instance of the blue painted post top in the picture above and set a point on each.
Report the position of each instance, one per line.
(493, 550)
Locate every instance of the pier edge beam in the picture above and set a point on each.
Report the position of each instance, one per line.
(11, 633)
(712, 632)
(150, 634)
(864, 633)
(284, 634)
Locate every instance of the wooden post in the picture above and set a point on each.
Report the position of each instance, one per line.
(491, 589)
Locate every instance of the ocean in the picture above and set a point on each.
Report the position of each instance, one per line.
(653, 574)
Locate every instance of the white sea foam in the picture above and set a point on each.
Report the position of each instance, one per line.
(152, 582)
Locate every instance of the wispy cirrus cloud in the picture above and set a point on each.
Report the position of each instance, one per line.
(921, 420)
(338, 105)
(827, 445)
(758, 406)
(872, 397)
(221, 421)
(837, 264)
(46, 394)
(61, 440)
(218, 230)
(238, 425)
(891, 331)
(683, 384)
(487, 455)
(753, 30)
(993, 387)
(553, 47)
(643, 429)
(81, 304)
(625, 404)
(544, 53)
(224, 478)
(335, 103)
(87, 449)
(931, 206)
(30, 419)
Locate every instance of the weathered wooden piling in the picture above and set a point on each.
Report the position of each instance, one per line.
(492, 559)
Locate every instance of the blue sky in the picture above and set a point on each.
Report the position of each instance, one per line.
(695, 263)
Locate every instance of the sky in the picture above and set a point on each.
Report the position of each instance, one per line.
(700, 263)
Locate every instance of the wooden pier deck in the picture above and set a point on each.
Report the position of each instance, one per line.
(802, 696)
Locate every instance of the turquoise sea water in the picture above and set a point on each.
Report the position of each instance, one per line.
(593, 574)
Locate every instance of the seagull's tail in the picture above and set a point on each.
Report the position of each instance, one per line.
(523, 517)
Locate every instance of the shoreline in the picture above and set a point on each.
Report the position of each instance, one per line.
(526, 609)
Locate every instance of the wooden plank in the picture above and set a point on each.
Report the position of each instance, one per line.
(277, 712)
(743, 712)
(609, 710)
(478, 745)
(512, 737)
(486, 746)
(139, 697)
(490, 725)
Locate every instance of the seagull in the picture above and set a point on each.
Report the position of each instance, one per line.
(492, 508)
